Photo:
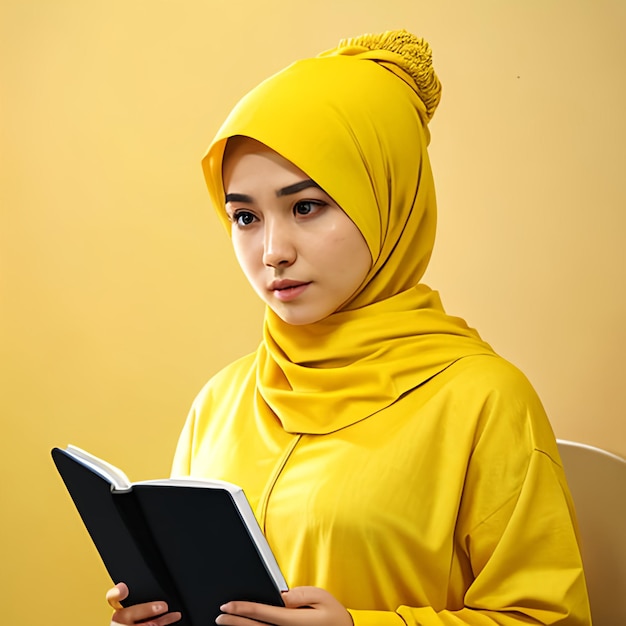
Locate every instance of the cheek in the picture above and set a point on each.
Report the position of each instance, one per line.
(246, 255)
(350, 251)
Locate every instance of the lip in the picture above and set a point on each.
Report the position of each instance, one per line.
(286, 290)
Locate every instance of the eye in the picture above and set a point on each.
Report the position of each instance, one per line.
(243, 218)
(307, 207)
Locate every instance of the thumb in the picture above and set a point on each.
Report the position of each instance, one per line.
(299, 597)
(116, 594)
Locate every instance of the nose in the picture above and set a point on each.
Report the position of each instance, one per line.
(279, 249)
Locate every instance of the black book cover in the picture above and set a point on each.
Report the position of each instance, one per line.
(186, 545)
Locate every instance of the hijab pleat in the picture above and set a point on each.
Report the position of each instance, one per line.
(355, 120)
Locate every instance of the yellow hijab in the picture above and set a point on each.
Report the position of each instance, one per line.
(355, 119)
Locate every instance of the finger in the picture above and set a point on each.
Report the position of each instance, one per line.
(169, 618)
(236, 620)
(315, 606)
(154, 613)
(305, 596)
(163, 620)
(253, 613)
(116, 594)
(303, 605)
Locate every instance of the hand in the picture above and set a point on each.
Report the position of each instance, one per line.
(149, 613)
(304, 606)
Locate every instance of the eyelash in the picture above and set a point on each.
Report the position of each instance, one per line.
(316, 204)
(239, 214)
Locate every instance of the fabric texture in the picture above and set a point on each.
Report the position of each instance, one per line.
(447, 507)
(391, 457)
(345, 112)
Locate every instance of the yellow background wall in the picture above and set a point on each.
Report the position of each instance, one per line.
(119, 295)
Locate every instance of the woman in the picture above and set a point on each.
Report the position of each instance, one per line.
(402, 472)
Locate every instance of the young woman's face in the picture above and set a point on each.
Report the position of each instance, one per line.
(301, 253)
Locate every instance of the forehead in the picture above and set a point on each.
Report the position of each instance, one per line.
(247, 161)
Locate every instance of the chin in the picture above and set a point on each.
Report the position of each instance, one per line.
(298, 321)
(295, 318)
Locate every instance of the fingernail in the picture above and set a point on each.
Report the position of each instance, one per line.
(158, 608)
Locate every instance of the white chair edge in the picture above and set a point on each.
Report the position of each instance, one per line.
(576, 444)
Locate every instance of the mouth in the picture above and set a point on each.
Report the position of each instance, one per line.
(287, 290)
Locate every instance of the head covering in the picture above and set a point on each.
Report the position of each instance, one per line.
(355, 119)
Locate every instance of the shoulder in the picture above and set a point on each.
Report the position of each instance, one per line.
(490, 381)
(509, 411)
(230, 379)
(219, 410)
(221, 396)
(492, 373)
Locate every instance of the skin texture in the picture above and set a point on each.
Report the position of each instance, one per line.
(304, 606)
(304, 257)
(296, 239)
(149, 614)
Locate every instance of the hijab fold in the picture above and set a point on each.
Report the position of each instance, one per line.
(355, 120)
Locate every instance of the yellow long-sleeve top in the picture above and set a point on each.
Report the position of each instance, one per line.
(447, 507)
(390, 456)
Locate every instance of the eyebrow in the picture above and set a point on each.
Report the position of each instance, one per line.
(238, 197)
(295, 188)
(284, 191)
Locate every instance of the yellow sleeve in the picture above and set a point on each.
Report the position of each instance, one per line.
(525, 561)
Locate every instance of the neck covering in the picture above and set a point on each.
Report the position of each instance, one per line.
(355, 119)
